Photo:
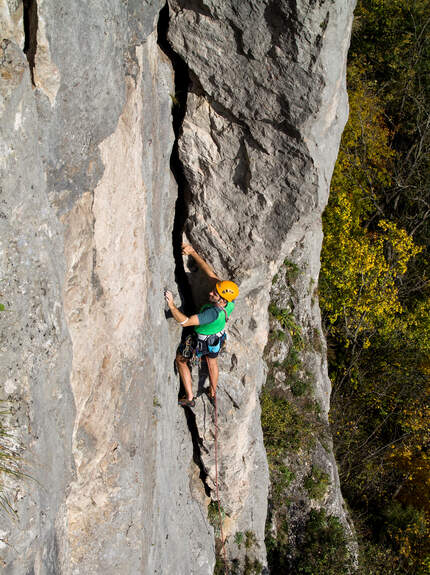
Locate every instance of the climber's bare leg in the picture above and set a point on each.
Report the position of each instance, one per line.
(213, 373)
(185, 373)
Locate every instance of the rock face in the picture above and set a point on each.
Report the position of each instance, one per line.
(305, 478)
(265, 110)
(120, 477)
(87, 213)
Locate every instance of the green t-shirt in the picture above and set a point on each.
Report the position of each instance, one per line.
(218, 324)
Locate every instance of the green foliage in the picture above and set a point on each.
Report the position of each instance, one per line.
(301, 385)
(289, 425)
(316, 483)
(252, 567)
(290, 420)
(292, 362)
(284, 426)
(290, 417)
(219, 568)
(238, 538)
(278, 549)
(378, 559)
(280, 335)
(281, 478)
(392, 42)
(324, 549)
(286, 318)
(249, 566)
(250, 539)
(214, 511)
(292, 271)
(400, 529)
(286, 476)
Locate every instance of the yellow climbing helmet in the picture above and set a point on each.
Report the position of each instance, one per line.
(227, 290)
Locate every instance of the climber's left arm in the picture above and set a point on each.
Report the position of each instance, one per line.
(188, 250)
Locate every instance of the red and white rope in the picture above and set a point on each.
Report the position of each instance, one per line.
(217, 489)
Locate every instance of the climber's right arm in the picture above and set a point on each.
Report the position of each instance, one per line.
(180, 317)
(192, 320)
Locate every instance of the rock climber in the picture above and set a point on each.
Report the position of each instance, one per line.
(209, 334)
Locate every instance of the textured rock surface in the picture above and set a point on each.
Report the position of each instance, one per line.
(86, 215)
(36, 351)
(297, 364)
(266, 107)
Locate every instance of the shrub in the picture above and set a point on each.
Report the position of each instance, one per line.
(324, 549)
(300, 386)
(283, 425)
(292, 271)
(287, 321)
(250, 539)
(214, 516)
(316, 483)
(238, 538)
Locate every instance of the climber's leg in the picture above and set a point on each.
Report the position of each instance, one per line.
(213, 373)
(185, 373)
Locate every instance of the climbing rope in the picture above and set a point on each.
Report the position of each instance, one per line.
(217, 489)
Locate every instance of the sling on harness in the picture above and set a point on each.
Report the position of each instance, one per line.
(207, 338)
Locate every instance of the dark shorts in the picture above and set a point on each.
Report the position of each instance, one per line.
(209, 347)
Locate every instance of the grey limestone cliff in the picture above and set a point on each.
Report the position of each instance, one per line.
(120, 477)
(265, 110)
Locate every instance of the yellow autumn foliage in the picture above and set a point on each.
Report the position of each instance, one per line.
(361, 263)
(360, 281)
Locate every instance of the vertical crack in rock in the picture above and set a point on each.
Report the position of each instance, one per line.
(179, 99)
(197, 447)
(30, 34)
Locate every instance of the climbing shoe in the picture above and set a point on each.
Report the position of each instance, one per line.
(210, 397)
(184, 402)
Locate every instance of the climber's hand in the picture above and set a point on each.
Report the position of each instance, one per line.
(188, 249)
(169, 298)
